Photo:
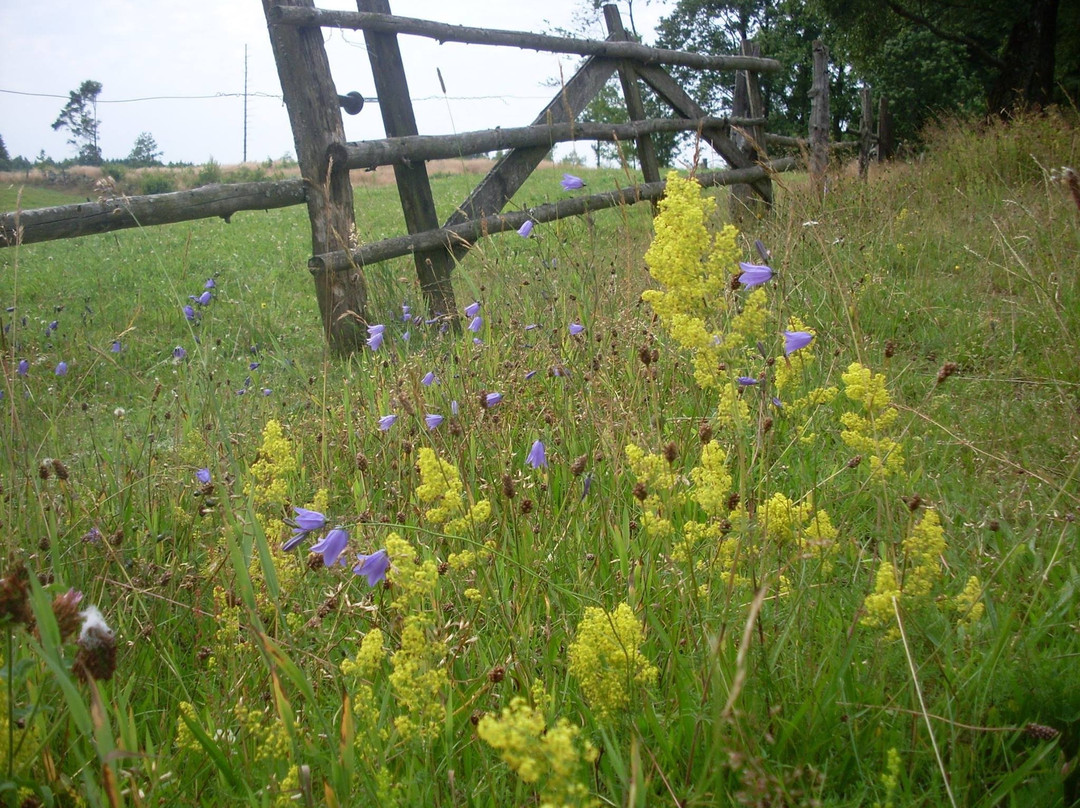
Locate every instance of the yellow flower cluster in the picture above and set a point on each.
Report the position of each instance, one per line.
(185, 739)
(890, 777)
(413, 581)
(418, 680)
(968, 603)
(270, 737)
(274, 463)
(441, 484)
(695, 269)
(605, 659)
(712, 480)
(538, 753)
(921, 552)
(867, 433)
(365, 709)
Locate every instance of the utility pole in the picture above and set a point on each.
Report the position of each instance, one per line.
(245, 100)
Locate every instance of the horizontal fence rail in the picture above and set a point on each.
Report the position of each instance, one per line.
(372, 153)
(119, 213)
(470, 231)
(445, 32)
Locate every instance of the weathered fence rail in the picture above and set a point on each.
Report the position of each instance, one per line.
(525, 40)
(447, 238)
(118, 213)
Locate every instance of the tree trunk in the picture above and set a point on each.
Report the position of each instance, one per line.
(1028, 75)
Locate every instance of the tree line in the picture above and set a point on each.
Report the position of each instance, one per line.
(928, 57)
(79, 117)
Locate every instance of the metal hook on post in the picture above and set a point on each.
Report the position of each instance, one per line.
(352, 102)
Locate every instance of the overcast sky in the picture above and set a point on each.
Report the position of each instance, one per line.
(176, 70)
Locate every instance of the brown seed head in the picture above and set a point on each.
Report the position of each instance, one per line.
(855, 461)
(60, 469)
(671, 452)
(914, 502)
(497, 674)
(641, 492)
(578, 465)
(890, 349)
(508, 487)
(96, 657)
(947, 370)
(526, 506)
(65, 609)
(15, 594)
(361, 461)
(1041, 732)
(645, 355)
(733, 501)
(705, 432)
(45, 470)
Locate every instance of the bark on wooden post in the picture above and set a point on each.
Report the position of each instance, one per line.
(866, 133)
(312, 102)
(746, 103)
(819, 117)
(433, 267)
(635, 108)
(886, 143)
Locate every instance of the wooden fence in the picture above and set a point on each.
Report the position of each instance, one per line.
(325, 158)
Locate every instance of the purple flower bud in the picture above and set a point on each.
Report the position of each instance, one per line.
(477, 341)
(209, 284)
(54, 325)
(532, 326)
(267, 391)
(189, 314)
(537, 457)
(762, 250)
(406, 313)
(571, 183)
(373, 567)
(116, 347)
(576, 328)
(386, 422)
(253, 366)
(746, 381)
(179, 353)
(61, 369)
(454, 408)
(476, 324)
(526, 229)
(405, 336)
(375, 341)
(24, 367)
(429, 379)
(491, 399)
(472, 309)
(202, 475)
(432, 420)
(204, 298)
(530, 374)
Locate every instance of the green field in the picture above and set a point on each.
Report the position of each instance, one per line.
(848, 579)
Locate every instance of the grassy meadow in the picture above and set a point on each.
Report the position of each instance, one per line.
(651, 552)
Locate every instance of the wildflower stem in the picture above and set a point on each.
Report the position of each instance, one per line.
(10, 704)
(922, 703)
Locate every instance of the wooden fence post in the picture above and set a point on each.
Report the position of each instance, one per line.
(885, 141)
(635, 108)
(746, 103)
(866, 133)
(433, 267)
(819, 117)
(312, 102)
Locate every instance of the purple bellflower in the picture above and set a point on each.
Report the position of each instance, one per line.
(205, 298)
(472, 309)
(491, 399)
(476, 324)
(386, 422)
(305, 522)
(794, 340)
(576, 328)
(375, 340)
(572, 183)
(754, 275)
(179, 353)
(373, 567)
(202, 475)
(454, 409)
(189, 314)
(526, 229)
(746, 381)
(24, 367)
(433, 420)
(210, 284)
(537, 457)
(332, 546)
(429, 379)
(116, 347)
(61, 369)
(762, 250)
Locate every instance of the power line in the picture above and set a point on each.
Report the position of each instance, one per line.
(278, 96)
